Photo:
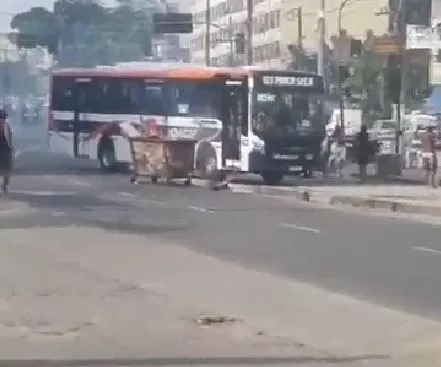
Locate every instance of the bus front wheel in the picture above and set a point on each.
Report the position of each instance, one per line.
(106, 155)
(272, 178)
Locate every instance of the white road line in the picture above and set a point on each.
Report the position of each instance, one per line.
(59, 214)
(44, 193)
(80, 182)
(31, 149)
(126, 194)
(427, 249)
(201, 210)
(11, 211)
(300, 228)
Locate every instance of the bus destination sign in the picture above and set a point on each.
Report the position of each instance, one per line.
(288, 81)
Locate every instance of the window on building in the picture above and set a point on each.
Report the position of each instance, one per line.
(272, 20)
(277, 19)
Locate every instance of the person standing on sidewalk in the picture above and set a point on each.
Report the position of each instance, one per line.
(6, 150)
(337, 151)
(363, 151)
(430, 161)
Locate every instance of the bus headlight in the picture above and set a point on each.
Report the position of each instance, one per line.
(309, 157)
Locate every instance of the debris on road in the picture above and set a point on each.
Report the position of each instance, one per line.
(205, 320)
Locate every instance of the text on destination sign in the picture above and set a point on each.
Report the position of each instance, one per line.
(298, 81)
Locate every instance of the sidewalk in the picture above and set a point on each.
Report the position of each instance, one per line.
(60, 301)
(141, 302)
(416, 199)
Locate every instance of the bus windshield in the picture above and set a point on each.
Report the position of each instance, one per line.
(287, 110)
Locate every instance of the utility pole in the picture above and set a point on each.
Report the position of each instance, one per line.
(249, 32)
(400, 30)
(321, 66)
(207, 32)
(231, 40)
(299, 28)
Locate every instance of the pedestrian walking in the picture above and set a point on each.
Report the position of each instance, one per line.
(430, 161)
(6, 150)
(363, 151)
(337, 151)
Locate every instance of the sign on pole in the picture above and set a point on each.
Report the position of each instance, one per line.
(420, 37)
(172, 23)
(387, 45)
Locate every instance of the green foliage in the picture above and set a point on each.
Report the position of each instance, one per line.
(364, 72)
(87, 32)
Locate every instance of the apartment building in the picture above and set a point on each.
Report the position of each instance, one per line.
(357, 17)
(229, 18)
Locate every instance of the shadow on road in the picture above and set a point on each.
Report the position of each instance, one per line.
(88, 211)
(215, 361)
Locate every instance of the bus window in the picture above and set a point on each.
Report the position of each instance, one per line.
(153, 99)
(62, 93)
(195, 99)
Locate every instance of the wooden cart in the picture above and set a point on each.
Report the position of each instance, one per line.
(157, 157)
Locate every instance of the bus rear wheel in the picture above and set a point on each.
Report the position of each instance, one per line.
(272, 178)
(106, 155)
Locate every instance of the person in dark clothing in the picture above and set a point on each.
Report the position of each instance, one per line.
(363, 151)
(6, 150)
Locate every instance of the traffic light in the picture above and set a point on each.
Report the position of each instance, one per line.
(343, 73)
(147, 46)
(356, 47)
(394, 78)
(172, 23)
(240, 43)
(24, 40)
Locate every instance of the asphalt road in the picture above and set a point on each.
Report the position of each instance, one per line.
(390, 261)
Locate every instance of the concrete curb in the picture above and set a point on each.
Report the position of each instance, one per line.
(394, 206)
(299, 194)
(309, 195)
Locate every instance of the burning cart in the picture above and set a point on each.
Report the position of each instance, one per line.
(159, 157)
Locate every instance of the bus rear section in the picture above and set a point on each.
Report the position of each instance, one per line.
(86, 112)
(92, 113)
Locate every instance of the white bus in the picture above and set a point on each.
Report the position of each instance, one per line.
(245, 119)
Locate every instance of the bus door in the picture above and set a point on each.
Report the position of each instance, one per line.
(81, 100)
(234, 112)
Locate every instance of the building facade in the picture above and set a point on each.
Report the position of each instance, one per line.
(357, 17)
(228, 18)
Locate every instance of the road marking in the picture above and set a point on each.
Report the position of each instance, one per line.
(59, 214)
(126, 194)
(31, 149)
(43, 193)
(11, 211)
(78, 182)
(427, 249)
(300, 228)
(201, 210)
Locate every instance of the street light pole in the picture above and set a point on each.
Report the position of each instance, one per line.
(229, 31)
(341, 67)
(250, 11)
(207, 32)
(321, 65)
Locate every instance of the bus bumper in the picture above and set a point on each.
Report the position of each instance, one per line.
(306, 161)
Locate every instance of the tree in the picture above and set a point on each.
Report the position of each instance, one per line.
(87, 32)
(365, 71)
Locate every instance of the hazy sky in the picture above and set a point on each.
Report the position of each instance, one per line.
(10, 7)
